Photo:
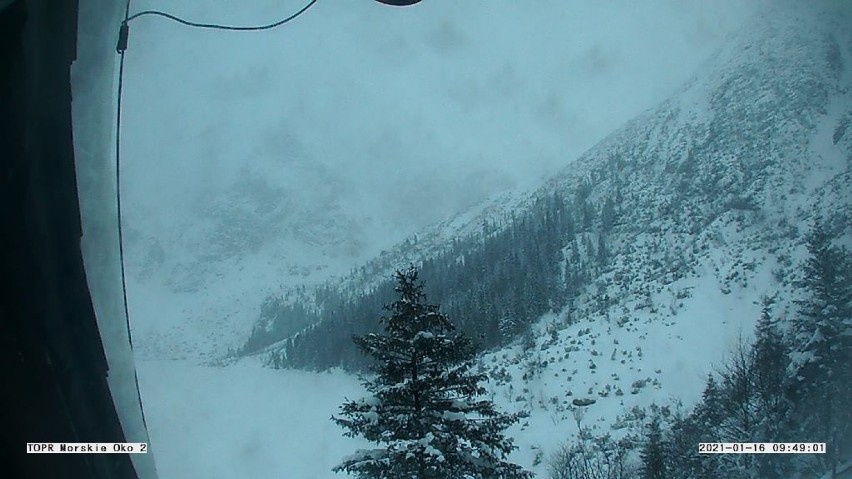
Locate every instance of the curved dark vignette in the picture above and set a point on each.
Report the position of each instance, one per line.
(399, 3)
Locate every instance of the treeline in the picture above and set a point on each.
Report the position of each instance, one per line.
(793, 384)
(496, 283)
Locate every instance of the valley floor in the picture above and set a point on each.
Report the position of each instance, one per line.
(244, 420)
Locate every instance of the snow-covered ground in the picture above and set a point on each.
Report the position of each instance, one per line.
(245, 420)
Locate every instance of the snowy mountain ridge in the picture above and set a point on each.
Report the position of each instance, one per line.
(710, 173)
(758, 77)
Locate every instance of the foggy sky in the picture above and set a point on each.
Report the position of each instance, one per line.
(393, 118)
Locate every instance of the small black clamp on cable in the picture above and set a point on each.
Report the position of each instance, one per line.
(123, 34)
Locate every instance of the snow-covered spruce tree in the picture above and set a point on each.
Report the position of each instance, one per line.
(653, 453)
(822, 349)
(770, 354)
(424, 409)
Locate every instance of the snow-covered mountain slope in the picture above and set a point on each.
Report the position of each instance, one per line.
(719, 188)
(687, 219)
(719, 184)
(726, 177)
(196, 286)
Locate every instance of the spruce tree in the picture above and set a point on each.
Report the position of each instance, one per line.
(684, 434)
(704, 425)
(770, 357)
(653, 453)
(822, 347)
(770, 360)
(424, 408)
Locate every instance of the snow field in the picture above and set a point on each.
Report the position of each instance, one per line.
(244, 421)
(247, 421)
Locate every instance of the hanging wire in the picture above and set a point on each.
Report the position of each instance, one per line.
(215, 26)
(121, 47)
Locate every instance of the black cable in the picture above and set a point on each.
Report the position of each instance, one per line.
(217, 26)
(122, 46)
